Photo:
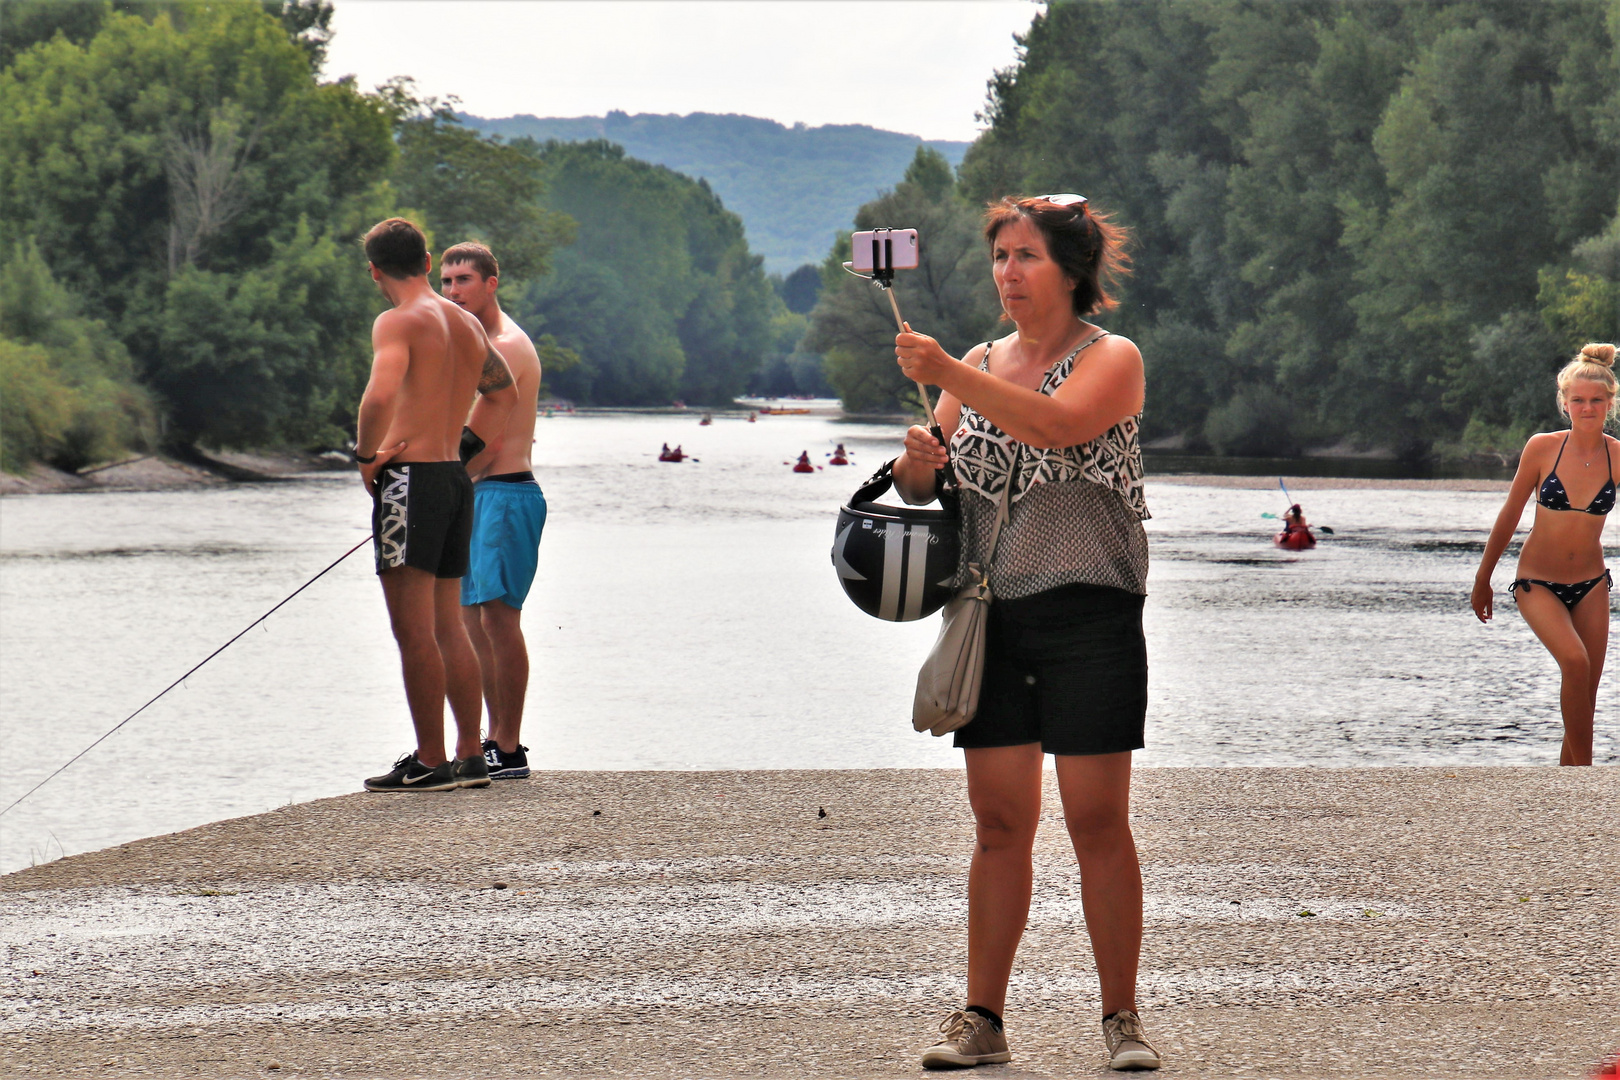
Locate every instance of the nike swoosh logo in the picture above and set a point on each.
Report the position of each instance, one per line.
(424, 776)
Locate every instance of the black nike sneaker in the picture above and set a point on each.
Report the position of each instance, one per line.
(411, 775)
(504, 766)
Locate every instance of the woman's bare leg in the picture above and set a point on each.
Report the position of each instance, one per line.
(1004, 788)
(1591, 620)
(1096, 790)
(1554, 624)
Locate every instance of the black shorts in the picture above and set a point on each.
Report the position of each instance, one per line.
(1066, 668)
(422, 516)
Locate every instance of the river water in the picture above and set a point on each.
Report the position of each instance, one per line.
(687, 617)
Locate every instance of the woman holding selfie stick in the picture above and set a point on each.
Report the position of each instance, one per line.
(1047, 417)
(1562, 586)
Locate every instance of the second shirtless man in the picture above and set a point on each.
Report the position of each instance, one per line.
(432, 359)
(509, 516)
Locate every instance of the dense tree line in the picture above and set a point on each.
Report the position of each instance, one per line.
(187, 178)
(184, 194)
(659, 295)
(793, 186)
(1385, 222)
(1382, 223)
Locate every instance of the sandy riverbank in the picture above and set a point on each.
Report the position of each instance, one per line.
(158, 472)
(1301, 923)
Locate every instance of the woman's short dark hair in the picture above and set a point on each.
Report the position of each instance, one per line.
(1088, 247)
(397, 248)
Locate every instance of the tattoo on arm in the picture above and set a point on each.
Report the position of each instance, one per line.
(496, 375)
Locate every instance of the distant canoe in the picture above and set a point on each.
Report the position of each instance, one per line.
(766, 410)
(1295, 539)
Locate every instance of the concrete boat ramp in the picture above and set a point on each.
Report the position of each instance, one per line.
(1301, 923)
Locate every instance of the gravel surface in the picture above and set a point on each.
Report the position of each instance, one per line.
(1301, 923)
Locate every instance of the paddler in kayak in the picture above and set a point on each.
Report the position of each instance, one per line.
(840, 456)
(803, 464)
(1296, 534)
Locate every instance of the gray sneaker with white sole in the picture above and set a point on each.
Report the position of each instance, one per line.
(1128, 1047)
(970, 1039)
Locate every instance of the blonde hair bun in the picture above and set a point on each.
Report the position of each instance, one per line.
(1598, 353)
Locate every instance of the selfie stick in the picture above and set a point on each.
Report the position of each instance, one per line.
(883, 278)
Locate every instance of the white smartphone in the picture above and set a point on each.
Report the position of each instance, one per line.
(883, 249)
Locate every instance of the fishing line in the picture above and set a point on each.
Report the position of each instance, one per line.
(186, 676)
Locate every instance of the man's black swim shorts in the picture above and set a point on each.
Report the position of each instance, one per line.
(422, 516)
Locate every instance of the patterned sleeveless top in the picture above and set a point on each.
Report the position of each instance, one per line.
(1075, 512)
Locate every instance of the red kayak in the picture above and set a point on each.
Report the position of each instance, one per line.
(1295, 539)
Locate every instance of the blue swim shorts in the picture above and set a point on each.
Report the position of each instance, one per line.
(509, 513)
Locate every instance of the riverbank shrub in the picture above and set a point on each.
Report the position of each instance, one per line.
(70, 395)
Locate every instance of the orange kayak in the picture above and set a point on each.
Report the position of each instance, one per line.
(1295, 539)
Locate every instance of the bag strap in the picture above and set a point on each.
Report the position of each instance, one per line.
(882, 481)
(879, 483)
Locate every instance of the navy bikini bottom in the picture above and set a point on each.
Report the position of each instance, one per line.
(1570, 594)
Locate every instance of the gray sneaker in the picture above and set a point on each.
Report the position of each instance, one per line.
(1128, 1047)
(472, 771)
(970, 1039)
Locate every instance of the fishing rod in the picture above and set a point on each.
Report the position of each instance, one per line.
(184, 677)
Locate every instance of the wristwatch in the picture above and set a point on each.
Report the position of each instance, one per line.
(355, 453)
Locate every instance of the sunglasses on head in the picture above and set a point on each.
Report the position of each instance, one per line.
(1065, 200)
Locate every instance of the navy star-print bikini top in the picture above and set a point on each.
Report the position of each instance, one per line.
(1554, 497)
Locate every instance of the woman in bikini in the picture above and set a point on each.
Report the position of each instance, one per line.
(1562, 586)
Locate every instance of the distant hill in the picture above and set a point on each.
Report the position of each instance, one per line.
(793, 187)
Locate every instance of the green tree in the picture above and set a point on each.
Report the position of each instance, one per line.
(659, 295)
(1306, 85)
(188, 168)
(1580, 301)
(467, 186)
(70, 392)
(949, 296)
(1335, 205)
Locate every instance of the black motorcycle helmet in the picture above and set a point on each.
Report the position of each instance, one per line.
(896, 562)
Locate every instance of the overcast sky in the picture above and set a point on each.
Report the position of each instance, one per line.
(915, 66)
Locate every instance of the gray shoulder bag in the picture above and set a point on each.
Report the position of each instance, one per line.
(948, 685)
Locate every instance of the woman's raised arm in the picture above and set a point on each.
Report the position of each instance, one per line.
(1107, 386)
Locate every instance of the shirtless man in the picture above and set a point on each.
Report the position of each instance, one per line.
(509, 514)
(431, 359)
